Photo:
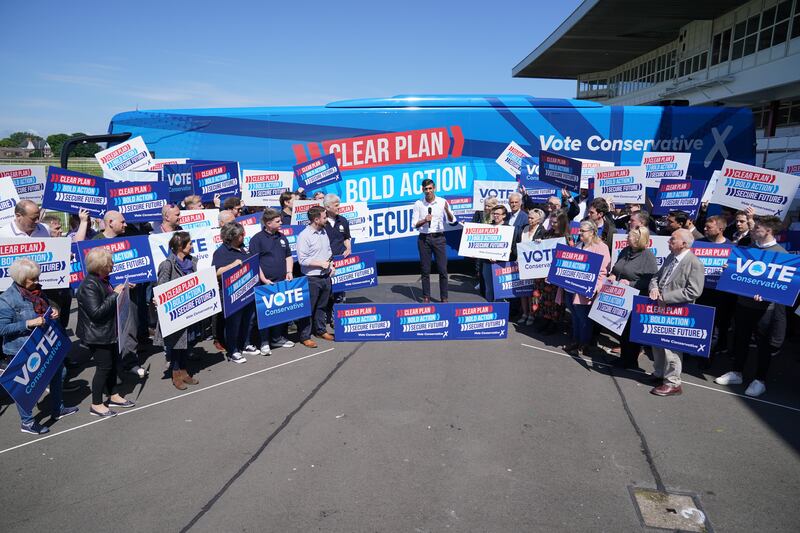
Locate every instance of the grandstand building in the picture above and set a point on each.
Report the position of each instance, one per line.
(684, 52)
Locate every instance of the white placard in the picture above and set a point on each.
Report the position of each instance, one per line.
(483, 189)
(511, 159)
(204, 245)
(29, 180)
(52, 254)
(158, 164)
(589, 169)
(187, 300)
(199, 218)
(790, 166)
(300, 211)
(131, 175)
(264, 187)
(664, 165)
(534, 257)
(768, 192)
(8, 200)
(620, 185)
(130, 155)
(486, 241)
(659, 245)
(612, 306)
(357, 215)
(711, 187)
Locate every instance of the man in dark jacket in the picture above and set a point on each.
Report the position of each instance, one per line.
(598, 213)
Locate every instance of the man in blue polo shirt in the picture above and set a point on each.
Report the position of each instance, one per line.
(316, 263)
(338, 230)
(275, 264)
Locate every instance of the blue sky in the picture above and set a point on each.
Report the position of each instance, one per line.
(67, 70)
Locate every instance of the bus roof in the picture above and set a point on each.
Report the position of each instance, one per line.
(462, 100)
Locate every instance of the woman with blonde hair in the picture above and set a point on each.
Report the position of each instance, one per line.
(582, 325)
(635, 266)
(97, 328)
(532, 231)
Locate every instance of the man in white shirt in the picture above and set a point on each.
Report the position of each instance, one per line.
(429, 219)
(26, 222)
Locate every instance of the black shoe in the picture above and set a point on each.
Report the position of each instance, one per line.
(107, 414)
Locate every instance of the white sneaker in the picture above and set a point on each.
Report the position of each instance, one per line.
(521, 320)
(756, 388)
(530, 321)
(731, 378)
(265, 349)
(283, 343)
(251, 350)
(237, 358)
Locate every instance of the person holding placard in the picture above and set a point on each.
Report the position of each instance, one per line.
(180, 262)
(338, 229)
(483, 217)
(545, 300)
(635, 266)
(237, 326)
(499, 215)
(22, 309)
(275, 264)
(680, 280)
(582, 325)
(428, 218)
(742, 226)
(532, 231)
(26, 222)
(97, 328)
(755, 315)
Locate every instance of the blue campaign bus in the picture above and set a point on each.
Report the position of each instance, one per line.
(386, 146)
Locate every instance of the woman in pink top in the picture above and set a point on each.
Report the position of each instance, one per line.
(582, 325)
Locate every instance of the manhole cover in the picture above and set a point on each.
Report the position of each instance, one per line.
(672, 511)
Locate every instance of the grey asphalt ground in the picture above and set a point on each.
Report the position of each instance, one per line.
(507, 435)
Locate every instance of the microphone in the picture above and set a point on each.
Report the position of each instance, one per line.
(430, 211)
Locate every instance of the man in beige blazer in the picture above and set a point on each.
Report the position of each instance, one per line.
(680, 280)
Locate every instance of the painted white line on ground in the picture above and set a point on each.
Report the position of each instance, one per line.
(683, 382)
(183, 395)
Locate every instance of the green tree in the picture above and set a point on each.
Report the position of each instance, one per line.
(56, 141)
(20, 137)
(7, 143)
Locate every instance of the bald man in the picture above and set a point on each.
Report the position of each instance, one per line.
(225, 217)
(114, 226)
(680, 280)
(26, 222)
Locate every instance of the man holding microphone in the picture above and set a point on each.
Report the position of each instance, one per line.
(428, 218)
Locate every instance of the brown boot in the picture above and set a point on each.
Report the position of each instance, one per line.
(177, 380)
(187, 378)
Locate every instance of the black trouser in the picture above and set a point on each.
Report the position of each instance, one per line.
(62, 298)
(747, 321)
(177, 358)
(319, 289)
(724, 304)
(106, 358)
(629, 351)
(435, 244)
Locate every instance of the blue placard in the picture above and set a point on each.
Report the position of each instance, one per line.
(422, 322)
(479, 321)
(133, 259)
(238, 286)
(679, 195)
(561, 171)
(317, 173)
(772, 275)
(790, 240)
(363, 322)
(179, 179)
(443, 321)
(69, 191)
(683, 328)
(138, 202)
(249, 220)
(75, 268)
(291, 232)
(217, 178)
(282, 302)
(30, 371)
(575, 270)
(506, 282)
(714, 258)
(356, 271)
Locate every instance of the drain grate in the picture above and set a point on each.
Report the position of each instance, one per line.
(672, 511)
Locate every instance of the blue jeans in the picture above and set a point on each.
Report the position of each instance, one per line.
(486, 274)
(56, 396)
(237, 329)
(582, 326)
(176, 357)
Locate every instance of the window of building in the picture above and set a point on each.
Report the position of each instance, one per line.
(796, 22)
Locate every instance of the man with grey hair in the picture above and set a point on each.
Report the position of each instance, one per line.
(170, 214)
(338, 230)
(225, 217)
(26, 222)
(680, 280)
(516, 216)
